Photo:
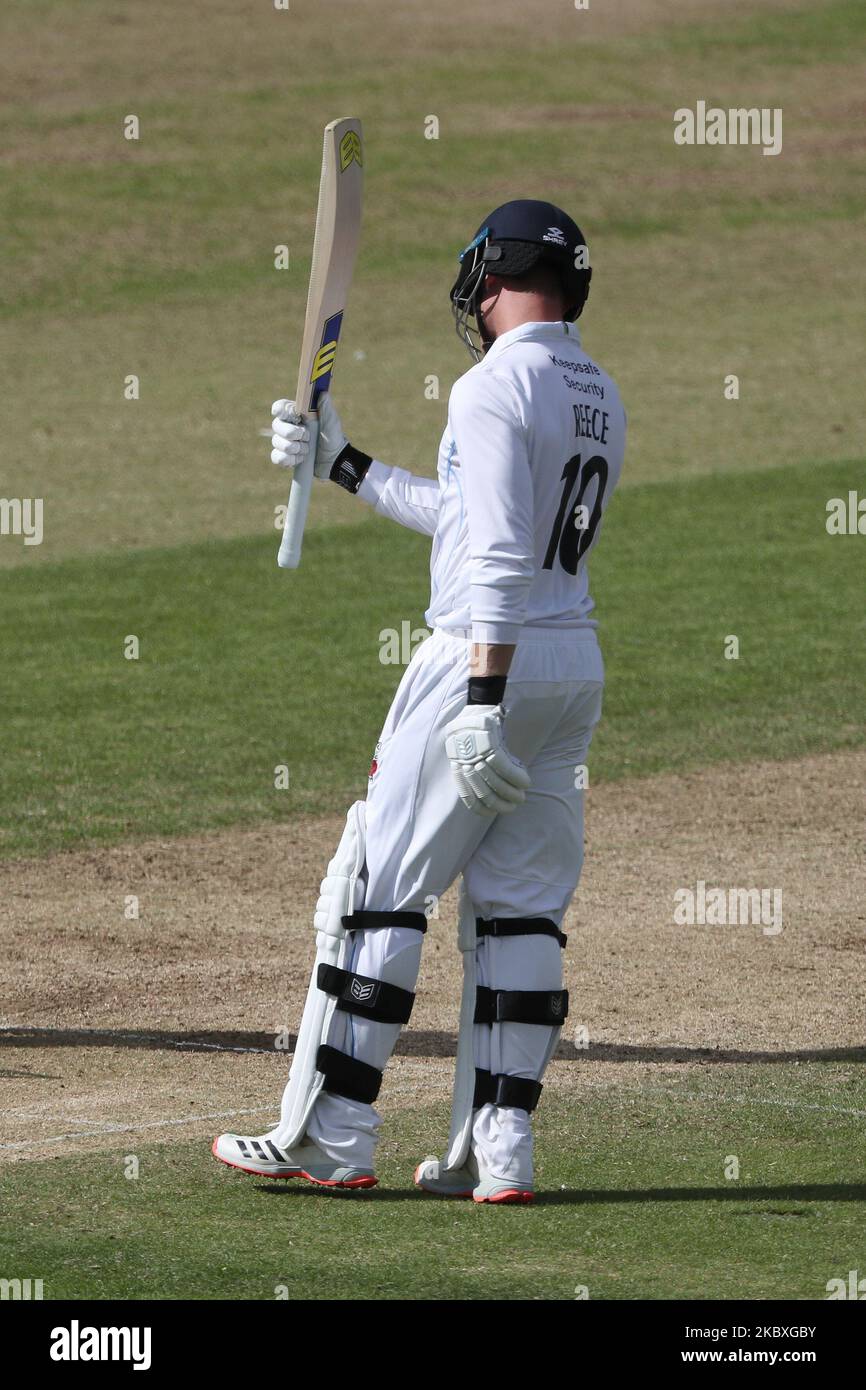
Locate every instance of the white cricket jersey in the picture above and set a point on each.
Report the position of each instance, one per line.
(530, 456)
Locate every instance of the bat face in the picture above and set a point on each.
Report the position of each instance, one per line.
(350, 148)
(338, 234)
(323, 362)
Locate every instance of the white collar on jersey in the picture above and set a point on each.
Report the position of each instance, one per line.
(552, 328)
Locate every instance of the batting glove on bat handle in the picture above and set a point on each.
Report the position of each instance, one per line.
(293, 435)
(490, 780)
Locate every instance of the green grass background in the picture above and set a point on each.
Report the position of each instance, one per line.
(635, 1205)
(155, 258)
(243, 668)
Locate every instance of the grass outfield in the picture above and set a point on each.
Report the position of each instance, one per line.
(243, 668)
(633, 1204)
(155, 257)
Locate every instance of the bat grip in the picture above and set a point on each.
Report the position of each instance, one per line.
(289, 556)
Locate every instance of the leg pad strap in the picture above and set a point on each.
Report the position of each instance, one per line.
(359, 994)
(363, 921)
(519, 926)
(346, 1076)
(548, 1006)
(514, 1091)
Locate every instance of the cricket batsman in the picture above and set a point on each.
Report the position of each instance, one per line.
(478, 773)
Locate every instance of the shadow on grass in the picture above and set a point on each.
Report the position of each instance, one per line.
(412, 1044)
(579, 1197)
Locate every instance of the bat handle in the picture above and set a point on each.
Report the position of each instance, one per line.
(289, 556)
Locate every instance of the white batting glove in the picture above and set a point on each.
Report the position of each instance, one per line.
(490, 780)
(335, 899)
(342, 889)
(294, 435)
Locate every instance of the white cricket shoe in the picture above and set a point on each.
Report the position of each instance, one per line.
(470, 1182)
(265, 1159)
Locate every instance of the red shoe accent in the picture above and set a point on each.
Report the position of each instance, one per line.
(511, 1195)
(288, 1177)
(326, 1182)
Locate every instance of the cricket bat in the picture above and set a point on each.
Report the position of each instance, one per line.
(338, 233)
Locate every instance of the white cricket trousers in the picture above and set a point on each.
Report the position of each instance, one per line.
(420, 837)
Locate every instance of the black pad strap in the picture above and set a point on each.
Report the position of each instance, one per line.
(514, 1091)
(360, 994)
(362, 921)
(548, 1006)
(346, 1076)
(519, 926)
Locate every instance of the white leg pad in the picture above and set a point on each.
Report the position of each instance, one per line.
(342, 893)
(500, 1138)
(460, 1137)
(348, 1130)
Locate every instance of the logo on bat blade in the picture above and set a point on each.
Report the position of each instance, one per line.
(350, 149)
(323, 362)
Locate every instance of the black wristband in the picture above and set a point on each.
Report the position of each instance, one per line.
(485, 690)
(349, 467)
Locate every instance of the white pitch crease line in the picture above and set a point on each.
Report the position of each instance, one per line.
(133, 1129)
(259, 1109)
(96, 1125)
(29, 1114)
(180, 1044)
